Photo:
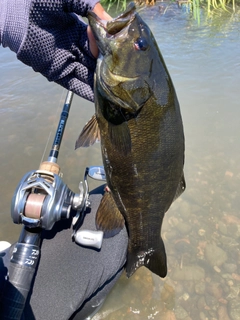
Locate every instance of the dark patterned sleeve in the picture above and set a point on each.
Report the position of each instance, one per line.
(50, 36)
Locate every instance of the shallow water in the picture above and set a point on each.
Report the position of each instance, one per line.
(201, 231)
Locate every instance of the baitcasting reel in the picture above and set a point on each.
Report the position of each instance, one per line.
(42, 198)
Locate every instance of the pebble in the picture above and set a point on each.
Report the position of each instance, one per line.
(226, 276)
(168, 315)
(215, 255)
(202, 316)
(234, 293)
(173, 222)
(232, 229)
(236, 276)
(188, 273)
(168, 296)
(180, 313)
(230, 283)
(215, 289)
(201, 232)
(185, 296)
(182, 245)
(217, 269)
(201, 304)
(185, 210)
(222, 228)
(222, 313)
(200, 287)
(172, 234)
(212, 301)
(184, 228)
(234, 309)
(230, 242)
(229, 267)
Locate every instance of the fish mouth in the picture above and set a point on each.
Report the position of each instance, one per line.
(115, 25)
(103, 32)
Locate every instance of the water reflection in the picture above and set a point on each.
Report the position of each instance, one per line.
(202, 229)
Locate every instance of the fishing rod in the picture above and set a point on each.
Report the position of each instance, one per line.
(40, 200)
(61, 127)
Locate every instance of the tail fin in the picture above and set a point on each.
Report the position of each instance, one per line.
(154, 259)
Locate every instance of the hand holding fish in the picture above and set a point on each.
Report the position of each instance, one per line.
(50, 36)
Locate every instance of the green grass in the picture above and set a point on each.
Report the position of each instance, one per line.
(211, 6)
(119, 4)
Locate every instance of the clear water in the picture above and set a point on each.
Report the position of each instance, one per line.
(201, 231)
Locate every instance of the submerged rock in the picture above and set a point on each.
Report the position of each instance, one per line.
(215, 289)
(184, 228)
(222, 227)
(222, 313)
(230, 267)
(215, 255)
(188, 273)
(200, 288)
(234, 309)
(181, 313)
(168, 296)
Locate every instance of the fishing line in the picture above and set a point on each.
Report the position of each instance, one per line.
(55, 121)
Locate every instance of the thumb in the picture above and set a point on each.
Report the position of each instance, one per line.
(92, 42)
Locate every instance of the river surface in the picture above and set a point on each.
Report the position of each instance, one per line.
(201, 230)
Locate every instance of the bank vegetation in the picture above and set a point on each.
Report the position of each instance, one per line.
(211, 6)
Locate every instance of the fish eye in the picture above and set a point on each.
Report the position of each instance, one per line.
(141, 44)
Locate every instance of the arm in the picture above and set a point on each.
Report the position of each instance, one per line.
(14, 16)
(13, 22)
(48, 36)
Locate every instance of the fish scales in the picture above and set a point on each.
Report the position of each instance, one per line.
(142, 139)
(148, 189)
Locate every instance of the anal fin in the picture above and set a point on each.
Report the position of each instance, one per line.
(181, 187)
(108, 217)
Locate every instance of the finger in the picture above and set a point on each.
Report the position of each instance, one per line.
(88, 50)
(92, 42)
(101, 13)
(84, 74)
(85, 57)
(75, 85)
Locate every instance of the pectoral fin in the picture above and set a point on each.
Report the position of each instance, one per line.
(120, 137)
(89, 135)
(108, 217)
